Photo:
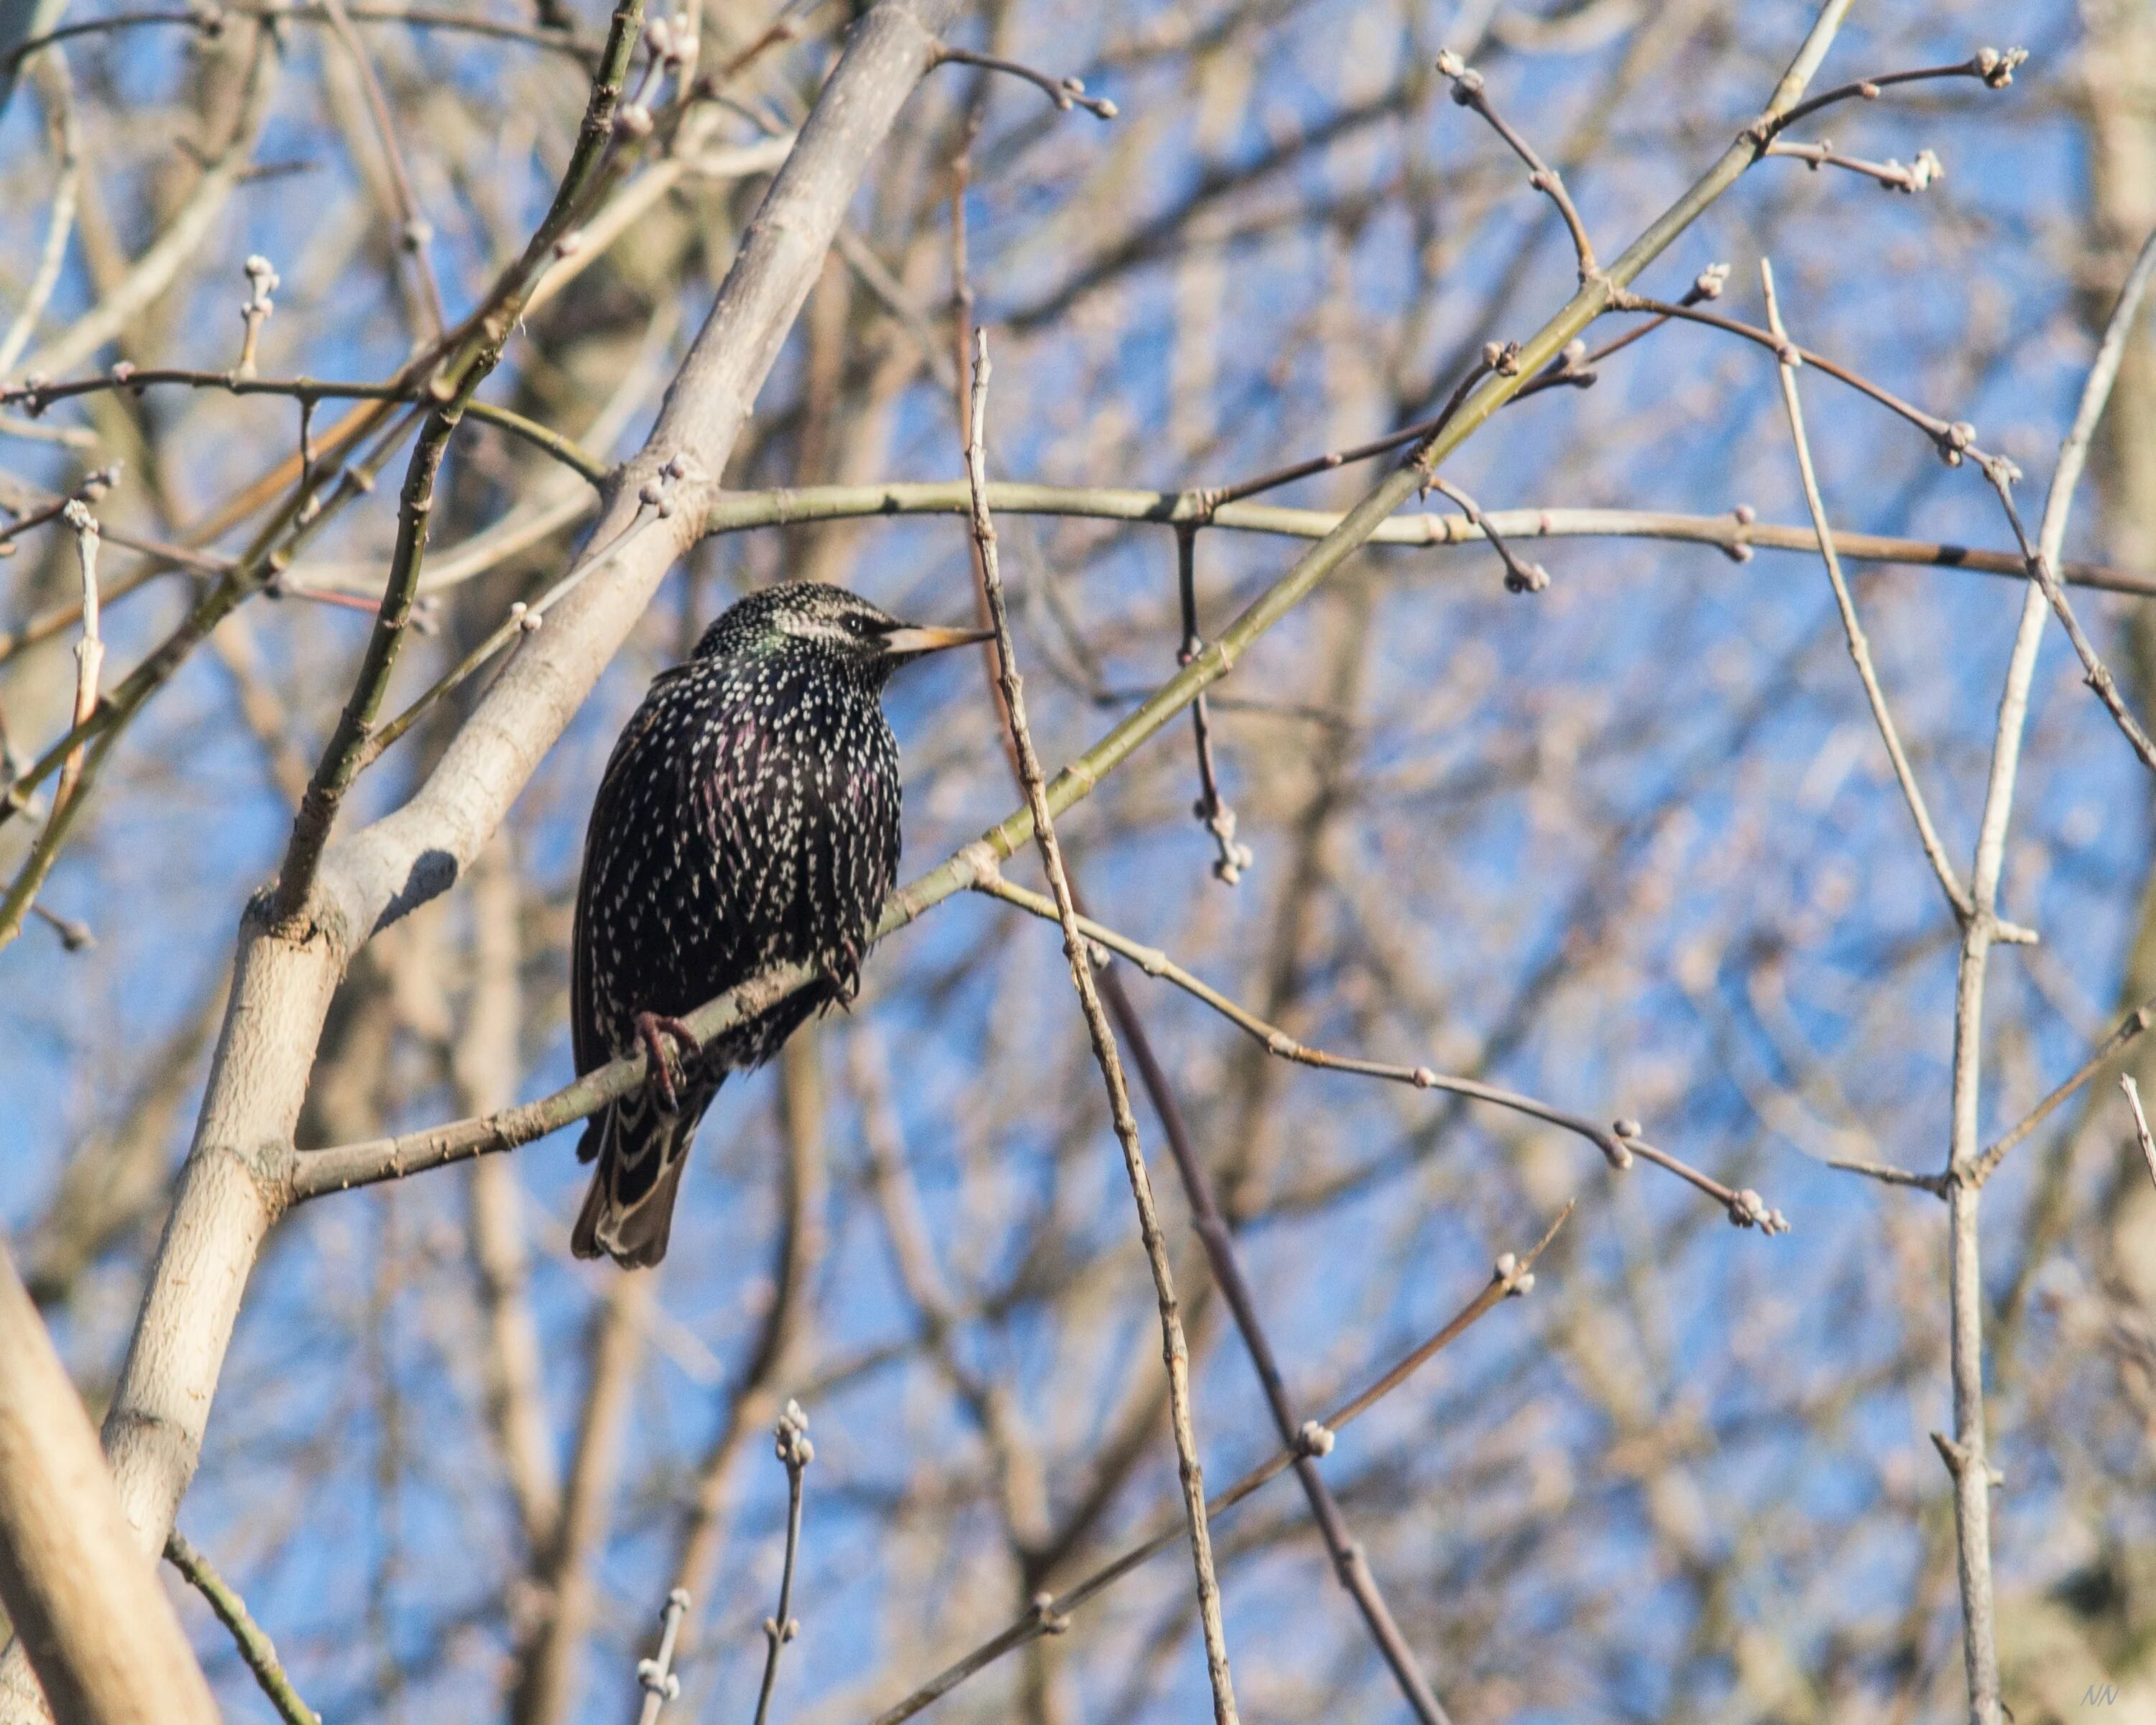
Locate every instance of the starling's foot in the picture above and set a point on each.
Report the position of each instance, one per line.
(650, 1026)
(844, 977)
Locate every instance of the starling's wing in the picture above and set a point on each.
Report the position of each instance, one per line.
(588, 1036)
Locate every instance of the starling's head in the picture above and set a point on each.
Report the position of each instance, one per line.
(814, 617)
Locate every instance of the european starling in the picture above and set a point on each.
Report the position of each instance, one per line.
(748, 818)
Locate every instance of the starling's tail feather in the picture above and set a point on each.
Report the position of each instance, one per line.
(641, 1149)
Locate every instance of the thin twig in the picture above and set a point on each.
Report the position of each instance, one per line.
(2140, 1121)
(1175, 1349)
(344, 757)
(2130, 1028)
(1953, 439)
(796, 1452)
(52, 257)
(92, 487)
(1512, 1277)
(1860, 649)
(655, 503)
(75, 935)
(210, 20)
(256, 1650)
(413, 230)
(655, 1676)
(81, 761)
(2094, 671)
(1309, 1440)
(1988, 65)
(1618, 1142)
(1576, 365)
(1066, 93)
(1211, 807)
(1519, 576)
(37, 397)
(1468, 91)
(1214, 498)
(1888, 1175)
(263, 282)
(90, 651)
(1917, 177)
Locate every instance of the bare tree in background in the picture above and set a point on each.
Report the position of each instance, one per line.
(385, 393)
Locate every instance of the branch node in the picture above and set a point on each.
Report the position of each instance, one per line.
(980, 865)
(1956, 1455)
(1051, 1622)
(263, 281)
(1747, 1209)
(1739, 549)
(1996, 69)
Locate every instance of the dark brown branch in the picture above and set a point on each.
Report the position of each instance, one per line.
(1468, 91)
(1618, 1142)
(1988, 65)
(1420, 432)
(1066, 93)
(1952, 439)
(1307, 1442)
(1519, 576)
(1211, 807)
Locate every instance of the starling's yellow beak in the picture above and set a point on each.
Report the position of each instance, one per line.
(912, 641)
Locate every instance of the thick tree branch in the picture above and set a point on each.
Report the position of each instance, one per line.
(82, 1595)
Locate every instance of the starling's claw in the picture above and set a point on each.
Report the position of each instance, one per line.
(845, 976)
(650, 1026)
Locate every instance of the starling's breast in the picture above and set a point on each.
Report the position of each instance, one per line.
(750, 817)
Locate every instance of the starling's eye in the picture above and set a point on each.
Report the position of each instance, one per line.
(861, 627)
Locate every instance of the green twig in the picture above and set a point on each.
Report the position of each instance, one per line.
(255, 1647)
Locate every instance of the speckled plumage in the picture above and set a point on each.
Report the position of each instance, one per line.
(749, 817)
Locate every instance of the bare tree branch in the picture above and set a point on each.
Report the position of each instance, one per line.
(84, 1600)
